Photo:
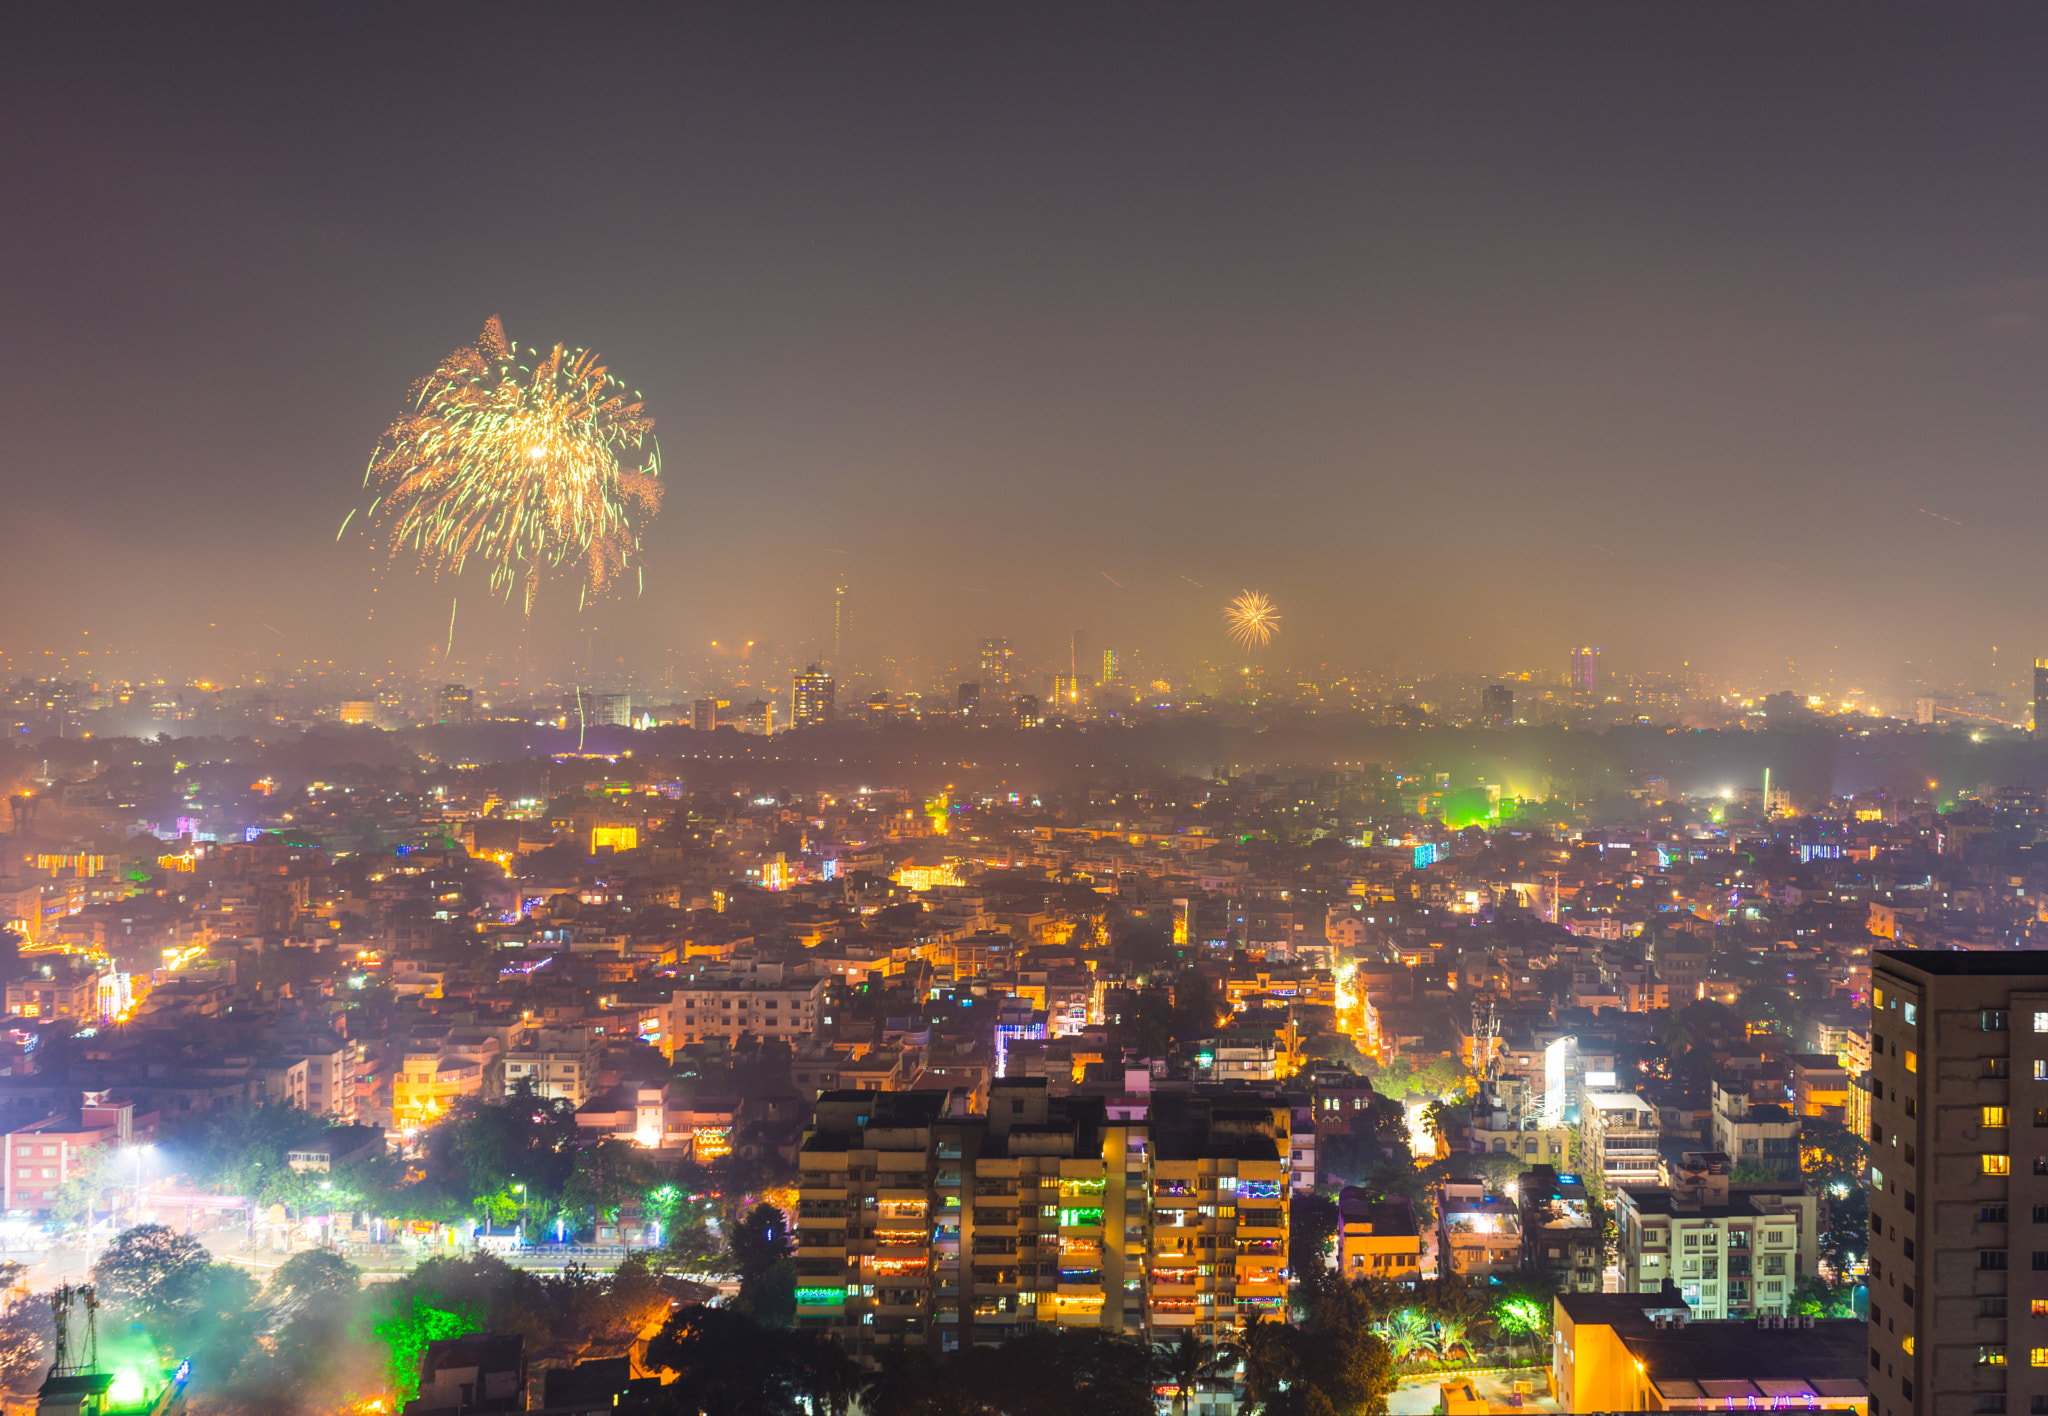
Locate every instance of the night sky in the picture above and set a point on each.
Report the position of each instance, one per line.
(1708, 334)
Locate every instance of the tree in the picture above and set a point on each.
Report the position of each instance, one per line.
(410, 1324)
(1334, 1362)
(1311, 1231)
(313, 1274)
(726, 1364)
(78, 1198)
(606, 1176)
(149, 1270)
(905, 1382)
(1519, 1317)
(1817, 1298)
(1187, 1362)
(762, 1249)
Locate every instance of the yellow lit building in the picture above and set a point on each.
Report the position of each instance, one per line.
(1377, 1238)
(1643, 1352)
(614, 838)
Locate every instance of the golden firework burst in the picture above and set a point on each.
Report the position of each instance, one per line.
(1252, 620)
(517, 460)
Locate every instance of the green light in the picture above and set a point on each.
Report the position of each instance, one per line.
(819, 1297)
(128, 1388)
(1468, 806)
(1086, 1216)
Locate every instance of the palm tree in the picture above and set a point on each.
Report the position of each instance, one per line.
(1267, 1350)
(1678, 1038)
(1452, 1336)
(1404, 1333)
(1187, 1362)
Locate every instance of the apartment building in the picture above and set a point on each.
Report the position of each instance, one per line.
(560, 1063)
(331, 1064)
(1477, 1237)
(1821, 1086)
(1756, 1134)
(1618, 1140)
(920, 1222)
(1958, 1181)
(1219, 1211)
(42, 1155)
(921, 1219)
(1558, 1234)
(1734, 1251)
(68, 989)
(727, 1004)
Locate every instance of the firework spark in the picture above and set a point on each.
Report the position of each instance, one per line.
(1252, 619)
(518, 464)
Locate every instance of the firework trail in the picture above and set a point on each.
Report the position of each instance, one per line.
(527, 466)
(1252, 620)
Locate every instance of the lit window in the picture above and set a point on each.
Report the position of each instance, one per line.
(1907, 1343)
(2041, 1022)
(1994, 1116)
(1991, 1356)
(1912, 1061)
(2041, 1307)
(2040, 1357)
(1912, 1014)
(1997, 1164)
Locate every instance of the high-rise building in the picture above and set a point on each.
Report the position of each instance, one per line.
(967, 699)
(840, 624)
(811, 698)
(1112, 667)
(1958, 1198)
(704, 714)
(1066, 693)
(2040, 723)
(1497, 705)
(996, 661)
(1077, 655)
(1027, 710)
(457, 703)
(1585, 672)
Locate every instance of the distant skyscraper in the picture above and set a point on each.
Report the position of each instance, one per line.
(968, 699)
(1497, 705)
(1066, 692)
(840, 625)
(811, 698)
(1077, 654)
(2041, 695)
(704, 715)
(996, 659)
(1585, 676)
(1112, 667)
(1027, 710)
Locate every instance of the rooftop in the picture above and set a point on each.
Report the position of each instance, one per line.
(1972, 963)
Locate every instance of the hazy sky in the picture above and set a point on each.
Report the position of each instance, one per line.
(1467, 333)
